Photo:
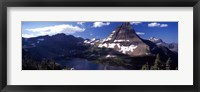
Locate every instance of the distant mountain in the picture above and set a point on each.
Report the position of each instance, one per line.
(155, 40)
(32, 42)
(171, 46)
(53, 46)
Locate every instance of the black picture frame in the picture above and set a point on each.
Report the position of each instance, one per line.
(101, 3)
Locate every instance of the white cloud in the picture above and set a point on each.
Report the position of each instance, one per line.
(80, 23)
(52, 30)
(91, 34)
(163, 25)
(135, 23)
(100, 24)
(140, 33)
(154, 24)
(27, 35)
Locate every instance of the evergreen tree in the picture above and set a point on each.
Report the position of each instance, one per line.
(145, 66)
(157, 63)
(52, 66)
(168, 64)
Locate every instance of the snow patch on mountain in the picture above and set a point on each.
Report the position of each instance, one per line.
(39, 40)
(125, 49)
(121, 48)
(121, 40)
(92, 41)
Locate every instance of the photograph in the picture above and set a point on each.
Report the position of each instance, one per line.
(99, 45)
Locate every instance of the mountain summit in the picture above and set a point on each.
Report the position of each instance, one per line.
(125, 40)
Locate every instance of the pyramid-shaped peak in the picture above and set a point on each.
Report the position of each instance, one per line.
(123, 34)
(125, 40)
(126, 24)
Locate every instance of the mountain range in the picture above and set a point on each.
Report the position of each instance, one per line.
(122, 41)
(53, 46)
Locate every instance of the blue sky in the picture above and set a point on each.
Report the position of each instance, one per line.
(167, 31)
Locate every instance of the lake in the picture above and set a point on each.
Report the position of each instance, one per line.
(84, 64)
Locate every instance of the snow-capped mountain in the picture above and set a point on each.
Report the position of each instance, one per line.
(155, 40)
(171, 46)
(125, 40)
